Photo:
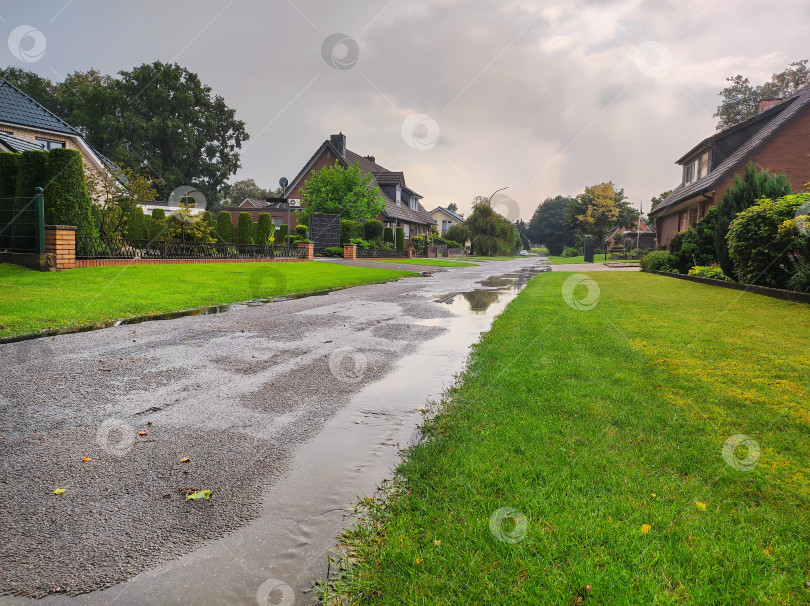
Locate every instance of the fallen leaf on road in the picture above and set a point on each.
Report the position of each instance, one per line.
(142, 433)
(85, 458)
(185, 460)
(200, 494)
(59, 491)
(149, 422)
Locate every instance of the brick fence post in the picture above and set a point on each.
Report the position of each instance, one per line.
(60, 241)
(309, 250)
(410, 252)
(350, 252)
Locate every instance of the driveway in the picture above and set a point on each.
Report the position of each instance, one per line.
(284, 411)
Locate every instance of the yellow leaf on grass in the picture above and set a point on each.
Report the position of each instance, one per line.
(645, 528)
(59, 491)
(418, 560)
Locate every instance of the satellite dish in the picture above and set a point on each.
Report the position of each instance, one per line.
(283, 182)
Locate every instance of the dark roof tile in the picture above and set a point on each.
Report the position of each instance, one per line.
(18, 108)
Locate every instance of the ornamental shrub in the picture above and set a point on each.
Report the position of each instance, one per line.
(158, 214)
(400, 238)
(800, 280)
(373, 229)
(709, 271)
(458, 233)
(570, 251)
(224, 229)
(281, 239)
(333, 251)
(695, 246)
(301, 231)
(765, 244)
(254, 231)
(388, 235)
(349, 229)
(66, 199)
(658, 260)
(265, 228)
(244, 229)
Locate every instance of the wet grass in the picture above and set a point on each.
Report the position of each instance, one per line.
(581, 259)
(32, 301)
(604, 431)
(434, 262)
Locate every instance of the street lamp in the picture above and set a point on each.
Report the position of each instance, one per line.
(489, 200)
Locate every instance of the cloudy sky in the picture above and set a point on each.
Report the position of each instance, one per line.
(465, 96)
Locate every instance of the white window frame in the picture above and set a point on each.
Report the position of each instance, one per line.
(51, 143)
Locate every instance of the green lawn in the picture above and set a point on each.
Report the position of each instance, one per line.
(605, 429)
(581, 259)
(32, 301)
(436, 262)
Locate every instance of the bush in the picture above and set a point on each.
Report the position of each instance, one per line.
(400, 235)
(658, 260)
(765, 244)
(388, 235)
(265, 229)
(458, 233)
(30, 172)
(333, 251)
(362, 244)
(158, 214)
(8, 174)
(283, 230)
(709, 271)
(800, 280)
(695, 246)
(224, 229)
(66, 199)
(254, 232)
(244, 228)
(373, 229)
(349, 229)
(570, 251)
(301, 231)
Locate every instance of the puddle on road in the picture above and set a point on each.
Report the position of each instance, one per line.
(289, 543)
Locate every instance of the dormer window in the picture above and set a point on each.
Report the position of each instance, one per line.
(696, 168)
(399, 194)
(413, 203)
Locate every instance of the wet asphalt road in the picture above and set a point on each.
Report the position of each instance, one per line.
(130, 420)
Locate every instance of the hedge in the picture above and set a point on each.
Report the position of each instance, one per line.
(66, 199)
(8, 186)
(31, 171)
(224, 228)
(244, 227)
(301, 231)
(265, 229)
(158, 214)
(349, 229)
(254, 231)
(373, 229)
(400, 238)
(283, 230)
(388, 235)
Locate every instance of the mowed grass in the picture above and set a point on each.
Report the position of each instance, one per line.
(434, 262)
(32, 301)
(593, 424)
(581, 259)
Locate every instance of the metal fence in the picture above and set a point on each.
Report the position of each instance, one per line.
(124, 248)
(22, 224)
(381, 253)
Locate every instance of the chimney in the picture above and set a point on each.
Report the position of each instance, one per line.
(339, 141)
(767, 104)
(371, 159)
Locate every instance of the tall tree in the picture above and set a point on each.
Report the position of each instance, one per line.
(741, 99)
(548, 227)
(246, 188)
(490, 233)
(341, 191)
(598, 210)
(452, 207)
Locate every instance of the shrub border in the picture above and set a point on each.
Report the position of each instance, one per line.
(776, 293)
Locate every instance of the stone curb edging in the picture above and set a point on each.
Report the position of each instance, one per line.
(775, 293)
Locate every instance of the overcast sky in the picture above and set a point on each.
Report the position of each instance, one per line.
(464, 96)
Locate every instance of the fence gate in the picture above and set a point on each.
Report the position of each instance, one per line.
(22, 224)
(324, 231)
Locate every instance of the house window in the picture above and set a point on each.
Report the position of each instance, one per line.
(49, 144)
(414, 203)
(445, 226)
(399, 194)
(407, 228)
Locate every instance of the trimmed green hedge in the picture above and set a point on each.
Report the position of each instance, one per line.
(8, 186)
(400, 238)
(388, 235)
(244, 229)
(373, 229)
(224, 228)
(31, 172)
(283, 230)
(266, 228)
(66, 199)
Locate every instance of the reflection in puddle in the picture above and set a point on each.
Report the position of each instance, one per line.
(480, 299)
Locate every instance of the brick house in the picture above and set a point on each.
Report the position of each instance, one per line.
(445, 218)
(278, 208)
(27, 125)
(641, 233)
(777, 139)
(402, 204)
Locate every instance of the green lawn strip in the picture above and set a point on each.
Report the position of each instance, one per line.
(32, 301)
(594, 423)
(581, 259)
(436, 262)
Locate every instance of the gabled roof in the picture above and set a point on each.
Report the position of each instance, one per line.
(18, 108)
(764, 126)
(641, 222)
(449, 213)
(17, 145)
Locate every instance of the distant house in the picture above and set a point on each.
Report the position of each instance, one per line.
(445, 218)
(402, 204)
(26, 125)
(640, 233)
(168, 207)
(278, 208)
(777, 138)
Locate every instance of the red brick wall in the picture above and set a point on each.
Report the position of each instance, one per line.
(789, 151)
(61, 241)
(327, 158)
(666, 227)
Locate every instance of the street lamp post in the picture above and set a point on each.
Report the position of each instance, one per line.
(489, 200)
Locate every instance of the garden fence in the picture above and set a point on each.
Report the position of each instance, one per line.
(381, 253)
(22, 224)
(124, 248)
